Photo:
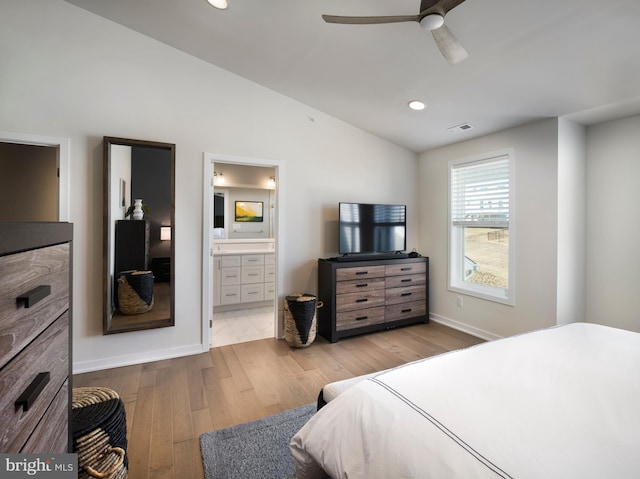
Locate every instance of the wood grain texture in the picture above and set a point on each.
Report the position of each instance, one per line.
(395, 312)
(386, 293)
(360, 272)
(52, 433)
(21, 273)
(405, 268)
(49, 352)
(169, 404)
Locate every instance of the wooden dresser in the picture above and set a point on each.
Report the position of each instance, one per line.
(365, 296)
(35, 337)
(132, 245)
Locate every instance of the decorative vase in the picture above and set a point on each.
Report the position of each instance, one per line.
(138, 214)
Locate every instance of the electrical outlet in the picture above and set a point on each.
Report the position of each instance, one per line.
(459, 301)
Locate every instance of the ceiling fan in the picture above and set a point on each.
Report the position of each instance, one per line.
(431, 17)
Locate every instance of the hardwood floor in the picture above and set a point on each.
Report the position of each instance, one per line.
(170, 403)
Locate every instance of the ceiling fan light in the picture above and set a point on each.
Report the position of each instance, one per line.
(221, 4)
(432, 22)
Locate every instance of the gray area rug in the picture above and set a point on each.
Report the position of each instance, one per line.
(256, 449)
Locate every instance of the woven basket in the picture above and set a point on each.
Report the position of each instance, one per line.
(135, 292)
(300, 322)
(99, 433)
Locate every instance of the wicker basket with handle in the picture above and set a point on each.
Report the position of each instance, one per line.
(300, 319)
(99, 433)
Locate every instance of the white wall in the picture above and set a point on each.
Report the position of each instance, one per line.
(613, 223)
(536, 214)
(572, 244)
(70, 74)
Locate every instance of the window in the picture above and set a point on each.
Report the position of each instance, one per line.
(481, 222)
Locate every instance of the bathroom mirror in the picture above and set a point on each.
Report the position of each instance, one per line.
(138, 248)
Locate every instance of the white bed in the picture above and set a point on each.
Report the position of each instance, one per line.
(557, 403)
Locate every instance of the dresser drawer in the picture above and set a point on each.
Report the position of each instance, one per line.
(52, 433)
(406, 294)
(252, 274)
(359, 272)
(270, 272)
(229, 261)
(405, 268)
(350, 301)
(230, 294)
(252, 292)
(43, 272)
(408, 280)
(252, 259)
(230, 276)
(406, 310)
(49, 352)
(359, 318)
(269, 291)
(359, 285)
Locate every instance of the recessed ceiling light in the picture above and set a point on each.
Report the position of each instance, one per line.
(221, 4)
(417, 105)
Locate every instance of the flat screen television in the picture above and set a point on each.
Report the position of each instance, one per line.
(372, 228)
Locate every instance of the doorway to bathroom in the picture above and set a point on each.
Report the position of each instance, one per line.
(241, 298)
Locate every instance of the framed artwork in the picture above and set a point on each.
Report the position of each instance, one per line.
(249, 212)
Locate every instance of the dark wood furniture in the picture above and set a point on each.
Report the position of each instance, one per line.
(132, 245)
(161, 268)
(35, 337)
(365, 296)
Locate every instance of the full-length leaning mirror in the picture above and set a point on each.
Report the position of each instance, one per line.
(139, 218)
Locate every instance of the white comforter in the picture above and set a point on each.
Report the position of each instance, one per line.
(557, 403)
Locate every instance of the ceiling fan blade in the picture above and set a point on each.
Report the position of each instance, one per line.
(441, 7)
(451, 49)
(448, 5)
(426, 4)
(370, 20)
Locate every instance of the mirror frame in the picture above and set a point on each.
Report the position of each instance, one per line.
(109, 238)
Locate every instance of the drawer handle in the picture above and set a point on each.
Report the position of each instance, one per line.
(362, 318)
(407, 310)
(360, 273)
(406, 294)
(35, 295)
(362, 300)
(408, 280)
(28, 397)
(363, 285)
(408, 268)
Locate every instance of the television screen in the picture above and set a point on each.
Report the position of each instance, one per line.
(372, 228)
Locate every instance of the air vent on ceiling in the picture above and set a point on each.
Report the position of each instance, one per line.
(461, 127)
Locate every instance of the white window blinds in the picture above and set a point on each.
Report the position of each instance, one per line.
(480, 193)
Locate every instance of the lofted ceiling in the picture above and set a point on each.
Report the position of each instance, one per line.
(527, 60)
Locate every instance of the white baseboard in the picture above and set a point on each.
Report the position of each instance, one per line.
(465, 328)
(130, 359)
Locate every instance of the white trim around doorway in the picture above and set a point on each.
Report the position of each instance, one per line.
(207, 235)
